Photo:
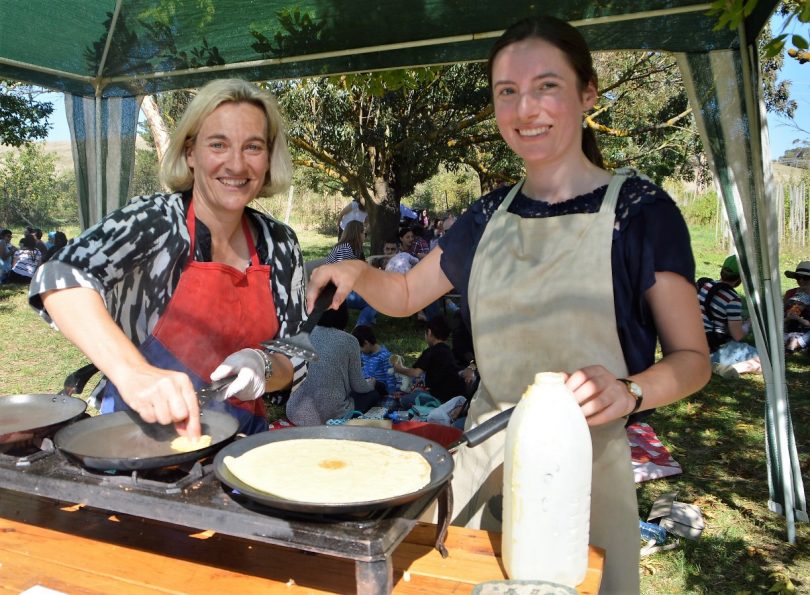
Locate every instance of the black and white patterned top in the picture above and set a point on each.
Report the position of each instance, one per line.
(135, 255)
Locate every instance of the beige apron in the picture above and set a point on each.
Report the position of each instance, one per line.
(541, 299)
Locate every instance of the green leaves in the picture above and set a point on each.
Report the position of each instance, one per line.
(731, 14)
(22, 117)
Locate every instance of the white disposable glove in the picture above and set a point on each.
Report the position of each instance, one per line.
(248, 367)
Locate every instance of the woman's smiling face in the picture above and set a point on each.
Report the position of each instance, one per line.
(538, 101)
(230, 156)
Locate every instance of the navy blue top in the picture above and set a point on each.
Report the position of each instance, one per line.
(651, 236)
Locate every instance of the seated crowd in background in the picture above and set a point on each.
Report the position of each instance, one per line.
(390, 248)
(335, 384)
(350, 247)
(18, 264)
(376, 359)
(797, 309)
(7, 250)
(437, 364)
(355, 372)
(24, 261)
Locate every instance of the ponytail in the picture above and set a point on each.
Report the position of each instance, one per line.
(591, 148)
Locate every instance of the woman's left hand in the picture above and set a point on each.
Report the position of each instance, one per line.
(601, 396)
(247, 366)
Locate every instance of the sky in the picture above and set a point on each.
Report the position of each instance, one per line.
(782, 134)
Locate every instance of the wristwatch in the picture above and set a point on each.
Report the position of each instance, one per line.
(268, 363)
(635, 392)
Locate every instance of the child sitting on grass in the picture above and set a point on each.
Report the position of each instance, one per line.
(438, 365)
(375, 358)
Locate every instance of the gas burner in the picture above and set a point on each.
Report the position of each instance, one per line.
(164, 480)
(357, 519)
(22, 454)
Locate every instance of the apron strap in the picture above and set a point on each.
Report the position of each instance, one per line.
(512, 194)
(612, 192)
(191, 224)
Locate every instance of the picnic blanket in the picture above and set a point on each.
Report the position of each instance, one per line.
(651, 459)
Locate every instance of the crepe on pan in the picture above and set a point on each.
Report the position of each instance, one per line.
(185, 444)
(327, 471)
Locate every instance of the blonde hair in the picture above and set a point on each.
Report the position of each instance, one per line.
(174, 170)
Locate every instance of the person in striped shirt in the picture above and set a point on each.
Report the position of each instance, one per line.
(350, 247)
(350, 244)
(721, 308)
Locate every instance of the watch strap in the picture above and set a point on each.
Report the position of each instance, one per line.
(635, 391)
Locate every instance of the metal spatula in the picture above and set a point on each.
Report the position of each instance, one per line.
(214, 392)
(299, 344)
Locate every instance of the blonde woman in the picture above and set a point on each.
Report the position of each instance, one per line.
(175, 290)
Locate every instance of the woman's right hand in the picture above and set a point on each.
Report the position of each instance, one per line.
(392, 294)
(157, 395)
(343, 274)
(164, 397)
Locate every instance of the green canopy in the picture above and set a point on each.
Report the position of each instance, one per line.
(134, 47)
(106, 54)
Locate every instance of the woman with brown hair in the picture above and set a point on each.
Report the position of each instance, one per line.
(574, 269)
(350, 244)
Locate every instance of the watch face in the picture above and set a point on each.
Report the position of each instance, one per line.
(634, 389)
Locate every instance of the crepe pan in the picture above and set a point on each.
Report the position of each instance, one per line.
(114, 442)
(36, 414)
(440, 461)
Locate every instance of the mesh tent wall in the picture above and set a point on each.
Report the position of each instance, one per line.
(106, 54)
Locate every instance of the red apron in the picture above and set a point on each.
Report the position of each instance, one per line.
(215, 310)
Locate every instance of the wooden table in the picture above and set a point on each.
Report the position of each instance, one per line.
(81, 550)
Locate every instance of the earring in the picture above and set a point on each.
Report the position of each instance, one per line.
(584, 123)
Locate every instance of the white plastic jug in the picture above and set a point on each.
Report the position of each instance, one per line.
(547, 485)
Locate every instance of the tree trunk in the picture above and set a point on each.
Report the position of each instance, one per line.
(383, 214)
(156, 125)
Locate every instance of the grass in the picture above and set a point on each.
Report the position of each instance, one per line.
(717, 435)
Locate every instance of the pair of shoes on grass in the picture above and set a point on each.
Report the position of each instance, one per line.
(725, 371)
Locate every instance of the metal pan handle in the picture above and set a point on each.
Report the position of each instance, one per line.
(74, 383)
(322, 304)
(476, 435)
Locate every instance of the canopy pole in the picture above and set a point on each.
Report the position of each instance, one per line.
(99, 160)
(775, 386)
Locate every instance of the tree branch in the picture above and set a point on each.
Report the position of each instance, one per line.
(635, 131)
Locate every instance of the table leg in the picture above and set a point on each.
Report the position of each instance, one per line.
(445, 504)
(374, 578)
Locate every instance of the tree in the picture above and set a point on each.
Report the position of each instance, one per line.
(145, 174)
(31, 193)
(162, 112)
(378, 135)
(22, 117)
